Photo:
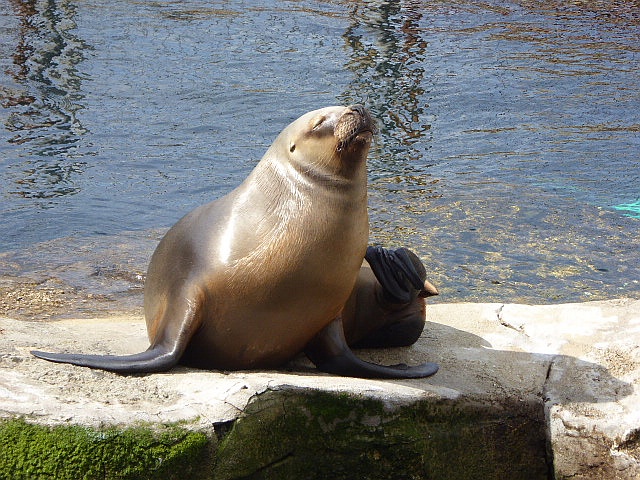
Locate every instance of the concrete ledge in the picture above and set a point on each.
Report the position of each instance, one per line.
(523, 392)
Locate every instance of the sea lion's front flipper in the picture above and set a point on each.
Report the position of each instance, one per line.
(180, 320)
(330, 353)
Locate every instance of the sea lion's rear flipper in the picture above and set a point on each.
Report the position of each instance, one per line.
(330, 353)
(179, 323)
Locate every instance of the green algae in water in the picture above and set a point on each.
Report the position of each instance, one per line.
(29, 451)
(633, 209)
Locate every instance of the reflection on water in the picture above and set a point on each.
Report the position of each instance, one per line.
(388, 55)
(43, 100)
(387, 51)
(508, 154)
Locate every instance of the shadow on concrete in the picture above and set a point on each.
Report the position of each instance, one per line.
(554, 378)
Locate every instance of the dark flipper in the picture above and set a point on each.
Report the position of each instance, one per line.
(157, 359)
(162, 356)
(401, 274)
(330, 353)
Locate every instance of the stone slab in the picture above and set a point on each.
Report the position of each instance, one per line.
(576, 367)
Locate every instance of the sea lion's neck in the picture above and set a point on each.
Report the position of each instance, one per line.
(303, 175)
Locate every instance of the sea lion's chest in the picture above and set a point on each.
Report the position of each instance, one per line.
(288, 273)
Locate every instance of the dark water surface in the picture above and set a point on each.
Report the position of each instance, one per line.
(508, 157)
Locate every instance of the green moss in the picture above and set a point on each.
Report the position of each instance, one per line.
(29, 451)
(297, 434)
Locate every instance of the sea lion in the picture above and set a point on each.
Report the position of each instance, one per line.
(254, 278)
(387, 307)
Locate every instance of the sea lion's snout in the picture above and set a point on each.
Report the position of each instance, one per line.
(355, 125)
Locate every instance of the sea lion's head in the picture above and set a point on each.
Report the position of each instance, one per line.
(333, 137)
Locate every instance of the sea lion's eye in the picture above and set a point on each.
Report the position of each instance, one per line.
(292, 147)
(318, 121)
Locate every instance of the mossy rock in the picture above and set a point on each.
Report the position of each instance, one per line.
(30, 451)
(296, 433)
(307, 434)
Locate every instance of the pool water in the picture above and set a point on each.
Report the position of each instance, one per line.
(508, 155)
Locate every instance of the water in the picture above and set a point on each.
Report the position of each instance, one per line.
(508, 156)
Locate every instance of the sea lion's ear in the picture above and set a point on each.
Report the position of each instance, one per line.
(292, 147)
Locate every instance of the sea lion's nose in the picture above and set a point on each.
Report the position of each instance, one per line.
(359, 109)
(366, 120)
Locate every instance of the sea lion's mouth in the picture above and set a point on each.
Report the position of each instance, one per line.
(354, 126)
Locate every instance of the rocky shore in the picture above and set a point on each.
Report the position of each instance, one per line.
(523, 392)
